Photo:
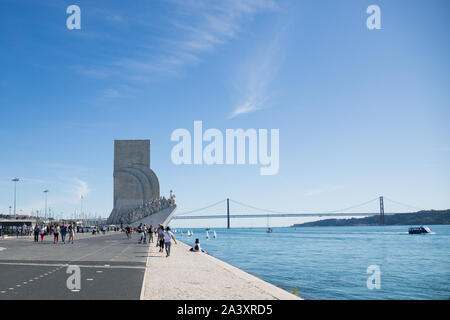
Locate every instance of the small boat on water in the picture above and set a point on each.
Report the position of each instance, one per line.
(215, 234)
(189, 234)
(207, 234)
(419, 230)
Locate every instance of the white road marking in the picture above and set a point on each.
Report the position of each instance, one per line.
(90, 279)
(81, 266)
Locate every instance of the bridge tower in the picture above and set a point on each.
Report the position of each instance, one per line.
(381, 211)
(228, 213)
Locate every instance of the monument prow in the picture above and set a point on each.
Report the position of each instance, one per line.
(136, 186)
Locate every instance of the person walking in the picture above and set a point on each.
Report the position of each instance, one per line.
(161, 238)
(56, 230)
(71, 231)
(63, 233)
(43, 232)
(144, 230)
(36, 233)
(150, 234)
(141, 233)
(168, 237)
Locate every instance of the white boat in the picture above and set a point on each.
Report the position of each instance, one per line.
(189, 233)
(419, 230)
(207, 234)
(215, 234)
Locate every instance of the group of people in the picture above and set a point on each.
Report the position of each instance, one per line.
(55, 230)
(164, 236)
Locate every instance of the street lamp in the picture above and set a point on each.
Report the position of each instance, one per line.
(15, 180)
(82, 198)
(45, 191)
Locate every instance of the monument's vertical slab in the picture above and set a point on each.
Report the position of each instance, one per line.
(134, 182)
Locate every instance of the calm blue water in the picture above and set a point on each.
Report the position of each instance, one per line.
(331, 262)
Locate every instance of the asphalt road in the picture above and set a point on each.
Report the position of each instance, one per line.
(111, 267)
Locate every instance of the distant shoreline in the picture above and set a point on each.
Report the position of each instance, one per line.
(425, 217)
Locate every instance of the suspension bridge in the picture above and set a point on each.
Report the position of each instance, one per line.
(265, 213)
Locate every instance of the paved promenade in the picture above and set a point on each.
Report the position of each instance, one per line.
(198, 276)
(113, 267)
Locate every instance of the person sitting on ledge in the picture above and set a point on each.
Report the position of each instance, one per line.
(196, 247)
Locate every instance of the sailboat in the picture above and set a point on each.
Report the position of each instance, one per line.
(215, 234)
(269, 229)
(207, 235)
(189, 233)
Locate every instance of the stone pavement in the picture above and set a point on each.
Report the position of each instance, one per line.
(199, 276)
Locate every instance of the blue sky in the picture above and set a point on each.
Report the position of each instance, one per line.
(361, 112)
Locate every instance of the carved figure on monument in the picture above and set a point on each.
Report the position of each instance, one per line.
(172, 197)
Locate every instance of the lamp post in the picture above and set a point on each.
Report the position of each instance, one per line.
(81, 212)
(45, 192)
(15, 180)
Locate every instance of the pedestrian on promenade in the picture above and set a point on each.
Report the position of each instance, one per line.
(63, 233)
(43, 232)
(128, 232)
(160, 243)
(56, 230)
(141, 233)
(36, 233)
(71, 231)
(150, 233)
(144, 230)
(168, 237)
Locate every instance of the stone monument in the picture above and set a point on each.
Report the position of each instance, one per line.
(135, 184)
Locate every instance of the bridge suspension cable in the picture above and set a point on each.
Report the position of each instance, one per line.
(203, 208)
(404, 204)
(260, 209)
(353, 207)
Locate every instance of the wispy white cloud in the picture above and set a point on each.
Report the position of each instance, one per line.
(194, 27)
(81, 188)
(258, 73)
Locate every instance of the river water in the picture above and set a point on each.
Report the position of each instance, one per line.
(332, 262)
